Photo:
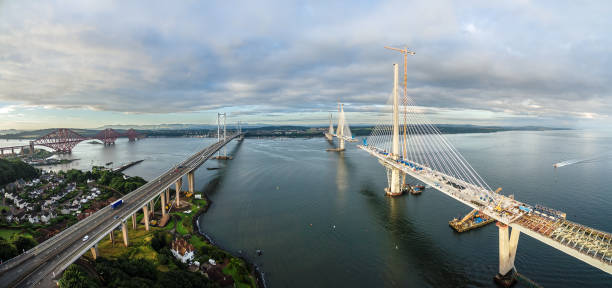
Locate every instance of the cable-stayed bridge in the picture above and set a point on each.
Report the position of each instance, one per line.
(343, 131)
(416, 148)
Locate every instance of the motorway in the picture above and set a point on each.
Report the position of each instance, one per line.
(50, 258)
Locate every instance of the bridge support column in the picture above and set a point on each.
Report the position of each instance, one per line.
(507, 253)
(152, 204)
(125, 233)
(31, 147)
(94, 251)
(112, 237)
(168, 195)
(163, 203)
(190, 179)
(145, 210)
(178, 185)
(134, 221)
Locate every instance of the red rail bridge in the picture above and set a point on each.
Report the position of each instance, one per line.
(63, 140)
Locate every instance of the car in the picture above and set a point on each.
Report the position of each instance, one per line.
(85, 238)
(115, 217)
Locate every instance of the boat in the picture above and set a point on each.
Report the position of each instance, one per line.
(472, 220)
(109, 163)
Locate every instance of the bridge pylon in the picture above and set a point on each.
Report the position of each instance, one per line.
(394, 188)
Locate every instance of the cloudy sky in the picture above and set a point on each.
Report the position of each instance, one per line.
(94, 63)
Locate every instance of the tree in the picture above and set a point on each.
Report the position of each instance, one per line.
(23, 242)
(7, 250)
(74, 277)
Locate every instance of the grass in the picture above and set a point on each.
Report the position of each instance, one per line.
(138, 247)
(140, 239)
(7, 233)
(232, 271)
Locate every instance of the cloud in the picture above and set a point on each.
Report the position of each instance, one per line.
(525, 59)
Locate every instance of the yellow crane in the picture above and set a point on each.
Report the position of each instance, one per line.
(498, 206)
(404, 52)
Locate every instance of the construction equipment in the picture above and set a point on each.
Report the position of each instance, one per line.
(468, 216)
(404, 52)
(498, 206)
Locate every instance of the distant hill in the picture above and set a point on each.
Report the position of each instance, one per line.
(176, 126)
(189, 130)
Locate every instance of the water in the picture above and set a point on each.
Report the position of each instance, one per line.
(285, 197)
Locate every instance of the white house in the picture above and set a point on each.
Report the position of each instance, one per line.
(182, 250)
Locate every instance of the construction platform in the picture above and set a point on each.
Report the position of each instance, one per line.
(471, 221)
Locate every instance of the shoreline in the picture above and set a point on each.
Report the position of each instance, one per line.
(255, 270)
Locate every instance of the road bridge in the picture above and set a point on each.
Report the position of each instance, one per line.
(50, 258)
(424, 154)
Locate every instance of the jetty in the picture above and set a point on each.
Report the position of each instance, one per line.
(126, 166)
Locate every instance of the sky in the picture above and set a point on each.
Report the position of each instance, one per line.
(85, 64)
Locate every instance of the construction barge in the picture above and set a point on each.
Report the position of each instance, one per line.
(472, 220)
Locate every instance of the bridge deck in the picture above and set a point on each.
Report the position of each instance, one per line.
(51, 257)
(587, 244)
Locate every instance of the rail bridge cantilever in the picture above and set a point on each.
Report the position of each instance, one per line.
(63, 140)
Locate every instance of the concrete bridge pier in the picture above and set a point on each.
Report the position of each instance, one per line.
(190, 179)
(125, 233)
(112, 237)
(507, 253)
(163, 203)
(393, 180)
(168, 195)
(178, 185)
(94, 251)
(134, 221)
(145, 210)
(152, 204)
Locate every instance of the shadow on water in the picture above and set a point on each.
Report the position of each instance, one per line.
(415, 245)
(213, 185)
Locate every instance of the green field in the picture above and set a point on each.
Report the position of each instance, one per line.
(7, 233)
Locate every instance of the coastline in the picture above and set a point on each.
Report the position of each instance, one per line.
(254, 269)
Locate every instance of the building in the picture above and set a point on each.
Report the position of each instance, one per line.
(182, 250)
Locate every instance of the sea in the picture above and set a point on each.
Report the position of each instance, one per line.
(321, 218)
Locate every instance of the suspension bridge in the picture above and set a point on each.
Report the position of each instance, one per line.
(39, 265)
(64, 140)
(416, 148)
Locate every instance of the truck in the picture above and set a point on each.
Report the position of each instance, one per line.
(117, 204)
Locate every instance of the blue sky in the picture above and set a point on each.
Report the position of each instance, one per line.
(93, 63)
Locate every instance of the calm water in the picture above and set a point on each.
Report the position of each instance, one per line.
(285, 197)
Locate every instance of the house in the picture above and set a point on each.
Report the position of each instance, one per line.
(46, 219)
(182, 250)
(20, 183)
(34, 219)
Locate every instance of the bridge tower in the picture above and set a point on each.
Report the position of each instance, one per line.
(340, 130)
(221, 117)
(394, 188)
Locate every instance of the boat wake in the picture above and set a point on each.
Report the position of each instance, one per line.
(585, 160)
